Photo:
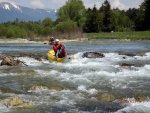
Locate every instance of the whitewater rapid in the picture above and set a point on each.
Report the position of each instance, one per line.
(82, 80)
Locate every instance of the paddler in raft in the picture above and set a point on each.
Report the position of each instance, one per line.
(59, 49)
(51, 41)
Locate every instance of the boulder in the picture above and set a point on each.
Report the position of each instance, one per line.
(93, 55)
(7, 61)
(10, 61)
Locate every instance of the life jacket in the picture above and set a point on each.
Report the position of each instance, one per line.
(60, 49)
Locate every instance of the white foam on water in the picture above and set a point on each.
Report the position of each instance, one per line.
(62, 98)
(85, 72)
(147, 67)
(30, 61)
(4, 109)
(143, 107)
(9, 74)
(90, 91)
(88, 71)
(43, 73)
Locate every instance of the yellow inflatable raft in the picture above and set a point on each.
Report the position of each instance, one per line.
(52, 58)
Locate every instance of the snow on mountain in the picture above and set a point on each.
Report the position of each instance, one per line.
(11, 11)
(10, 6)
(16, 6)
(6, 7)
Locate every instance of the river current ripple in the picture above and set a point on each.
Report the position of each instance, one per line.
(80, 85)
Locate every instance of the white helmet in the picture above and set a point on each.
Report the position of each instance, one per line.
(57, 40)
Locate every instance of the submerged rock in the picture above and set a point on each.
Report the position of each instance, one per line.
(15, 102)
(130, 100)
(93, 55)
(129, 65)
(9, 90)
(105, 97)
(59, 88)
(125, 64)
(141, 53)
(127, 54)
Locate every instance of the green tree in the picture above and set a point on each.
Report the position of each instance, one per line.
(87, 27)
(139, 18)
(131, 13)
(23, 33)
(72, 10)
(147, 14)
(106, 9)
(10, 33)
(47, 22)
(3, 30)
(94, 20)
(115, 20)
(66, 26)
(46, 31)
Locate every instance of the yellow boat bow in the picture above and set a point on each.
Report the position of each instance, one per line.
(52, 58)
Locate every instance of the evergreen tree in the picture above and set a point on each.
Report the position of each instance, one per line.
(139, 18)
(94, 20)
(147, 14)
(131, 13)
(106, 10)
(87, 28)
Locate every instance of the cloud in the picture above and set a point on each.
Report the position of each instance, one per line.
(55, 4)
(91, 3)
(118, 4)
(10, 1)
(126, 4)
(4, 1)
(121, 4)
(58, 1)
(135, 3)
(37, 4)
(98, 5)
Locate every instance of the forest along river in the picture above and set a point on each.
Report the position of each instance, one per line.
(118, 82)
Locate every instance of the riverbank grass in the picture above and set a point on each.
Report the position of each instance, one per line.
(132, 35)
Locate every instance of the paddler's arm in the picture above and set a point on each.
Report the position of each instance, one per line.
(58, 51)
(55, 49)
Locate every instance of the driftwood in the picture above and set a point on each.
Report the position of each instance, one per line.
(10, 61)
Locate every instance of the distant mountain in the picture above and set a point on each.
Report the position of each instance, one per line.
(10, 11)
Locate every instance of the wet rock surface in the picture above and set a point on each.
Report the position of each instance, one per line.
(93, 55)
(105, 97)
(10, 61)
(15, 102)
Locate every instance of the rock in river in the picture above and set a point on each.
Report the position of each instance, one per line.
(93, 55)
(15, 102)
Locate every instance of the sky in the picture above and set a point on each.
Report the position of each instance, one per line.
(56, 4)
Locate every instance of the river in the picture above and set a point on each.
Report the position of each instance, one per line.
(79, 85)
